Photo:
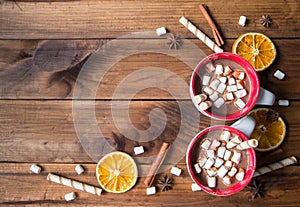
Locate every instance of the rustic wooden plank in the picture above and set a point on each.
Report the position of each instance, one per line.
(20, 78)
(44, 131)
(111, 19)
(21, 187)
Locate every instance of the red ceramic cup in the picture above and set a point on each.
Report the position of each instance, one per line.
(250, 72)
(191, 159)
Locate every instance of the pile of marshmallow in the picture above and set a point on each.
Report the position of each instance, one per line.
(223, 158)
(222, 85)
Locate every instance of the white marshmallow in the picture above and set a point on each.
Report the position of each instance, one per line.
(70, 196)
(205, 80)
(236, 157)
(227, 71)
(35, 168)
(138, 150)
(240, 103)
(242, 21)
(221, 151)
(209, 163)
(232, 171)
(79, 169)
(240, 93)
(225, 136)
(195, 187)
(176, 171)
(240, 84)
(214, 84)
(210, 67)
(215, 144)
(219, 102)
(200, 98)
(231, 81)
(227, 155)
(221, 88)
(283, 102)
(161, 31)
(240, 175)
(211, 181)
(222, 171)
(206, 144)
(205, 105)
(232, 88)
(227, 180)
(223, 79)
(208, 90)
(214, 96)
(210, 153)
(151, 190)
(219, 69)
(197, 168)
(279, 74)
(201, 162)
(241, 76)
(229, 96)
(218, 162)
(228, 164)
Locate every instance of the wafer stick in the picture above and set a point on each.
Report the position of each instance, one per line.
(156, 164)
(276, 165)
(200, 35)
(74, 184)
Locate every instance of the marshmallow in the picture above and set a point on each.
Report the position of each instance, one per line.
(221, 151)
(232, 171)
(210, 67)
(241, 76)
(240, 93)
(214, 96)
(221, 88)
(209, 163)
(219, 69)
(282, 102)
(35, 168)
(240, 84)
(247, 144)
(151, 190)
(227, 71)
(70, 196)
(206, 144)
(238, 75)
(279, 74)
(79, 169)
(208, 90)
(232, 88)
(240, 175)
(138, 150)
(227, 155)
(161, 31)
(223, 79)
(236, 157)
(219, 102)
(200, 98)
(218, 162)
(195, 187)
(240, 103)
(210, 153)
(229, 96)
(176, 171)
(222, 171)
(211, 181)
(214, 84)
(212, 172)
(201, 162)
(197, 168)
(231, 81)
(228, 164)
(205, 80)
(225, 136)
(215, 144)
(233, 142)
(242, 21)
(227, 180)
(205, 105)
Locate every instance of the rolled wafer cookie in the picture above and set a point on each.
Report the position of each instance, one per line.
(276, 165)
(247, 144)
(74, 184)
(233, 142)
(192, 28)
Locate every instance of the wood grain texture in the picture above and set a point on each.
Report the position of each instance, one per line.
(23, 78)
(17, 179)
(111, 19)
(44, 131)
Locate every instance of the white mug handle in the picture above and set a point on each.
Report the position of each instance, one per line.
(245, 125)
(265, 97)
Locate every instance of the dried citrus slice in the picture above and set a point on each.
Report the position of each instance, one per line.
(270, 129)
(116, 172)
(257, 48)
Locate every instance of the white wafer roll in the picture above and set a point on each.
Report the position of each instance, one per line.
(236, 157)
(240, 175)
(200, 35)
(247, 144)
(74, 184)
(274, 166)
(222, 171)
(205, 105)
(211, 181)
(200, 98)
(206, 144)
(209, 163)
(234, 142)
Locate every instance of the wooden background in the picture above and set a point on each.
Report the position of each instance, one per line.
(36, 121)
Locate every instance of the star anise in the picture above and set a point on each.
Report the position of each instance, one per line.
(174, 41)
(166, 183)
(272, 115)
(265, 20)
(257, 189)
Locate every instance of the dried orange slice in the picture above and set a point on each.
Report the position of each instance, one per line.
(270, 129)
(116, 172)
(257, 48)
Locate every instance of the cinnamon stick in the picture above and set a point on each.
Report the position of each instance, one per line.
(216, 33)
(156, 164)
